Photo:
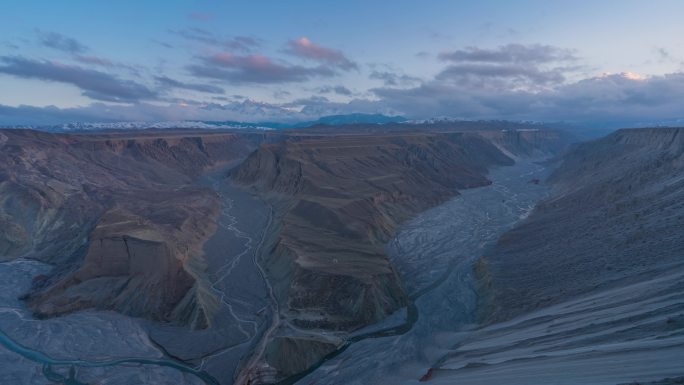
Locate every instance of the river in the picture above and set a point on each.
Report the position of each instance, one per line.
(434, 254)
(80, 348)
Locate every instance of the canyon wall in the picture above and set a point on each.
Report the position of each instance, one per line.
(615, 216)
(118, 215)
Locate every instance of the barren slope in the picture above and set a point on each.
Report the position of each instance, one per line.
(615, 216)
(589, 288)
(118, 214)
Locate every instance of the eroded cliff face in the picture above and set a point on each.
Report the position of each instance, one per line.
(338, 199)
(528, 142)
(118, 215)
(615, 216)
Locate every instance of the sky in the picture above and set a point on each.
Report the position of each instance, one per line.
(581, 62)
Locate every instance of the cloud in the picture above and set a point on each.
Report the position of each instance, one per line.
(200, 16)
(305, 49)
(10, 45)
(394, 79)
(94, 84)
(162, 44)
(619, 99)
(30, 115)
(512, 66)
(663, 54)
(95, 60)
(246, 110)
(316, 107)
(514, 81)
(510, 53)
(339, 90)
(502, 76)
(624, 96)
(281, 94)
(606, 100)
(235, 43)
(254, 69)
(172, 83)
(60, 42)
(100, 61)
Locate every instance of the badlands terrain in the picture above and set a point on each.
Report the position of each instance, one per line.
(470, 253)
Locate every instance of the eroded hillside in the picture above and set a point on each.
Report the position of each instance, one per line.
(615, 217)
(118, 215)
(338, 199)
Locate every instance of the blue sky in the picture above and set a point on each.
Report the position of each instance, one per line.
(586, 62)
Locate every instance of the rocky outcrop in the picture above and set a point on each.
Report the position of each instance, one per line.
(615, 216)
(118, 215)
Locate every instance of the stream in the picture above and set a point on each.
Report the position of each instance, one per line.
(63, 349)
(433, 254)
(91, 346)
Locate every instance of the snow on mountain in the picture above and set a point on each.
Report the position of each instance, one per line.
(184, 124)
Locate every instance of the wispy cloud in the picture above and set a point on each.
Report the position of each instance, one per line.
(510, 53)
(233, 43)
(94, 84)
(10, 45)
(167, 82)
(96, 60)
(390, 78)
(620, 99)
(305, 49)
(339, 90)
(512, 66)
(617, 99)
(281, 94)
(60, 42)
(200, 16)
(254, 69)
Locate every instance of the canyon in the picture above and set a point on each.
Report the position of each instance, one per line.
(306, 255)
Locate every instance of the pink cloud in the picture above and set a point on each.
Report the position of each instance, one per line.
(95, 60)
(304, 48)
(255, 69)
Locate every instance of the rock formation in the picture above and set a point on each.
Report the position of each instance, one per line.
(118, 215)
